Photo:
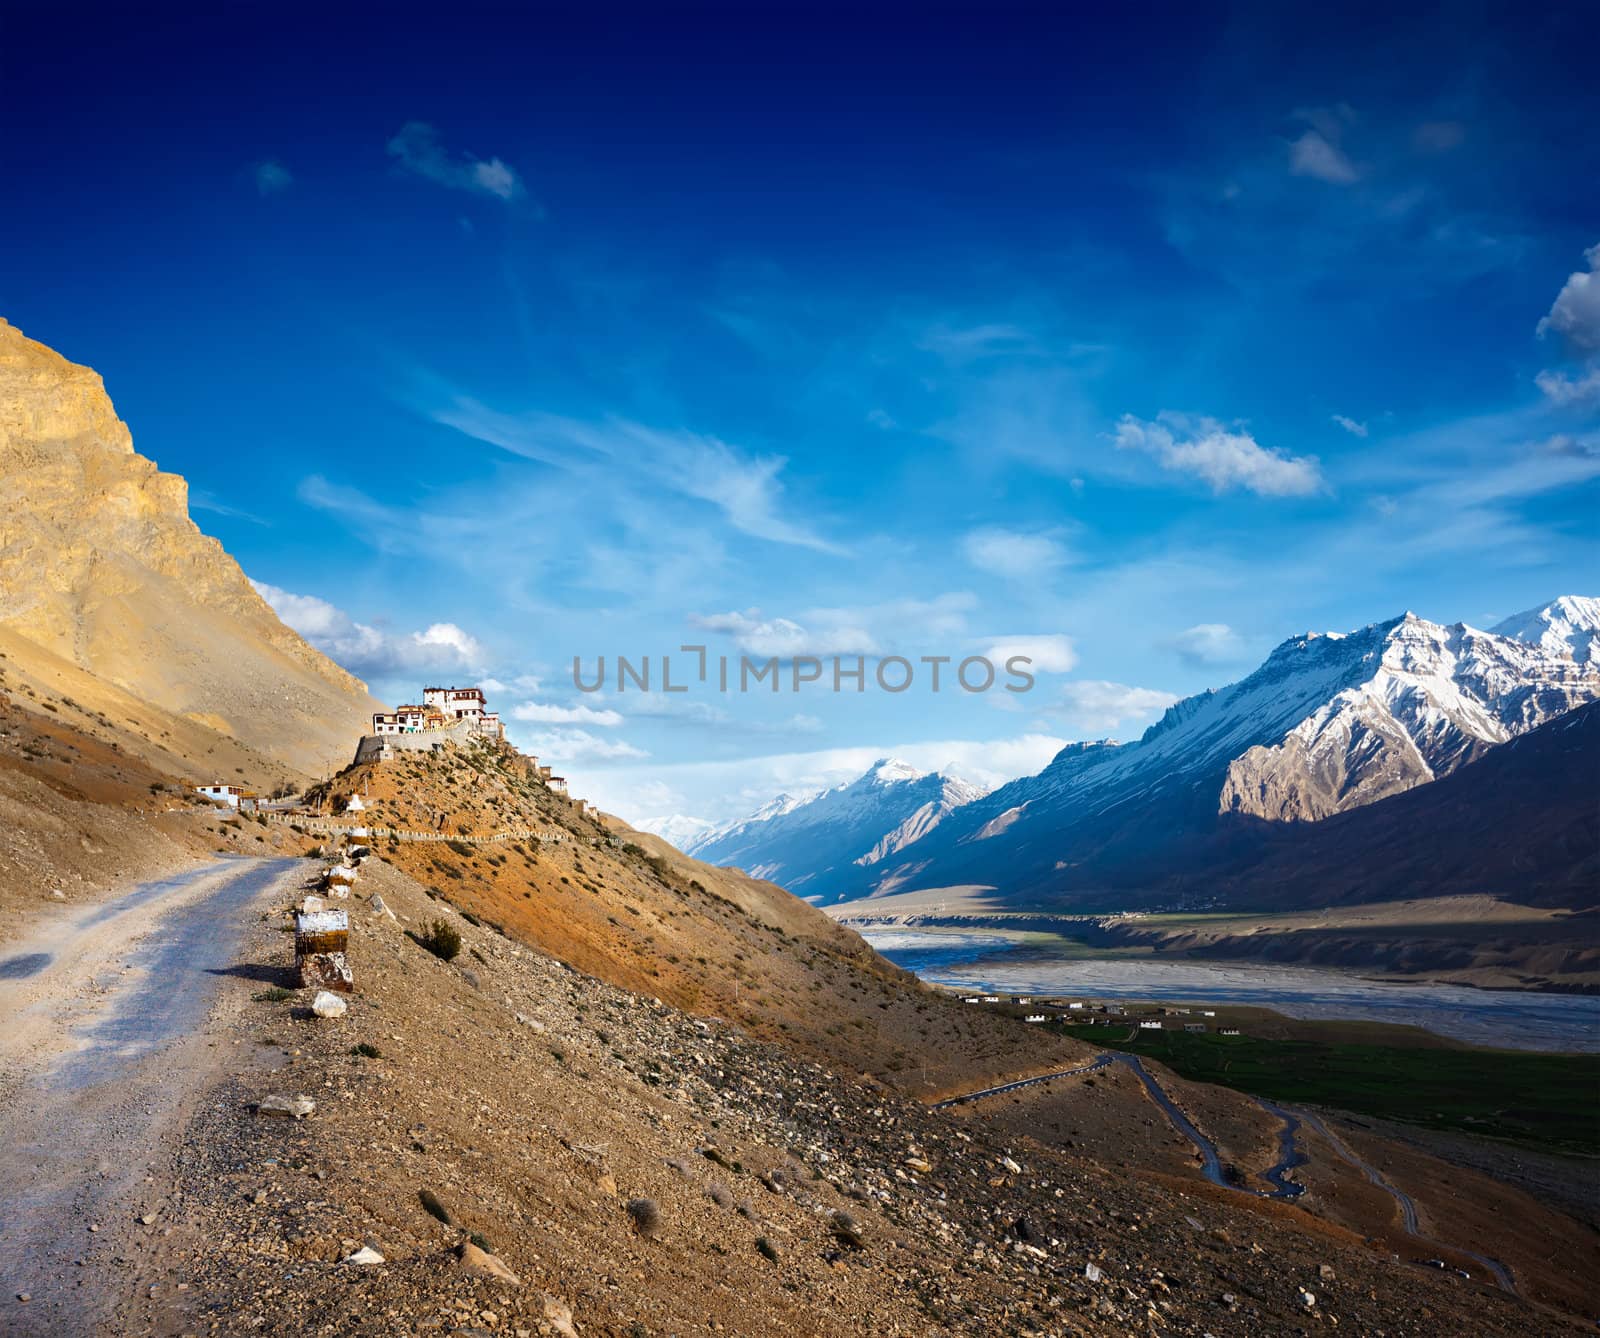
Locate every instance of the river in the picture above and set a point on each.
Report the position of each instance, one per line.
(991, 961)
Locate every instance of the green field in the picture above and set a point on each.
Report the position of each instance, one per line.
(1546, 1101)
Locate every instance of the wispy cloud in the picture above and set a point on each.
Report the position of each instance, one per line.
(746, 489)
(579, 745)
(898, 625)
(417, 149)
(1094, 704)
(1014, 554)
(1350, 425)
(1313, 155)
(544, 713)
(272, 177)
(372, 651)
(1208, 643)
(1225, 459)
(1318, 152)
(1052, 654)
(1569, 391)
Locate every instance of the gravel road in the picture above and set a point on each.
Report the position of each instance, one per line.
(107, 1042)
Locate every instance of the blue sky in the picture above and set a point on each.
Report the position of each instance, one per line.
(492, 339)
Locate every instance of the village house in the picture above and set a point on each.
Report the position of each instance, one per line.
(234, 796)
(1229, 1031)
(1194, 1026)
(1150, 1024)
(1034, 1017)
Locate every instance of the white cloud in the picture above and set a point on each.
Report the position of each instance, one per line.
(1208, 643)
(868, 629)
(1097, 705)
(746, 489)
(784, 637)
(1224, 458)
(1049, 654)
(970, 343)
(1014, 554)
(1575, 314)
(578, 745)
(417, 149)
(366, 650)
(1350, 425)
(272, 177)
(1315, 155)
(543, 713)
(1569, 391)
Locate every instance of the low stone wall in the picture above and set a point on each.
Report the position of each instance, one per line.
(380, 747)
(325, 827)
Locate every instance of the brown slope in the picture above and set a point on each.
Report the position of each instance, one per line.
(1522, 822)
(101, 566)
(627, 908)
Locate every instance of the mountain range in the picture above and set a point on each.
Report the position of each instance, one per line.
(817, 842)
(1330, 723)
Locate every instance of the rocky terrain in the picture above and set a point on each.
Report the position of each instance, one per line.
(502, 1144)
(106, 581)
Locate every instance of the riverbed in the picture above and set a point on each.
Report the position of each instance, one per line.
(994, 962)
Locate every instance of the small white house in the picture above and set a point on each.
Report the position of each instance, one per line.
(231, 795)
(991, 998)
(1075, 1007)
(1150, 1024)
(1208, 1012)
(1034, 1017)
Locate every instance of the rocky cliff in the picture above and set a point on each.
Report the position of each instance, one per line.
(102, 567)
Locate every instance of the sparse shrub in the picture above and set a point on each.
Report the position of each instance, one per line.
(481, 1241)
(767, 1249)
(646, 1217)
(443, 940)
(366, 1051)
(275, 995)
(720, 1195)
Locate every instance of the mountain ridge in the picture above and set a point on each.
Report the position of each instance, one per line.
(807, 841)
(1327, 723)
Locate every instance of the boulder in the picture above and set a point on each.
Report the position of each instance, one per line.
(312, 904)
(482, 1264)
(365, 1255)
(328, 1004)
(326, 971)
(293, 1107)
(558, 1315)
(378, 906)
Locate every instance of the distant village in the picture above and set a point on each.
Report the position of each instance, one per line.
(1087, 1013)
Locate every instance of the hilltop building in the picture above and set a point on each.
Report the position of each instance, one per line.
(441, 709)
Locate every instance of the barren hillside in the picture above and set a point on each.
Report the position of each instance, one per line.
(627, 907)
(101, 568)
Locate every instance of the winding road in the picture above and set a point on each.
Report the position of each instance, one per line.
(1290, 1153)
(105, 1049)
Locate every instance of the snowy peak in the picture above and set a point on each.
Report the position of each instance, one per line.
(808, 843)
(1568, 626)
(1329, 722)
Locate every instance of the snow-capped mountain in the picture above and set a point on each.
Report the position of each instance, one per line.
(679, 830)
(815, 844)
(1328, 723)
(1566, 626)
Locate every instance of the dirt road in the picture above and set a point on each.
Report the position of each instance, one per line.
(106, 1041)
